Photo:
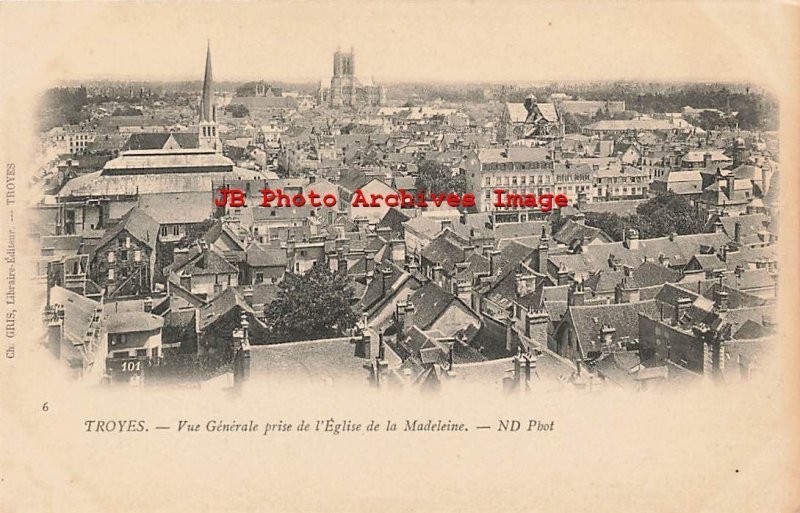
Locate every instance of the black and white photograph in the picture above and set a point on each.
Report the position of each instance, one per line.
(344, 220)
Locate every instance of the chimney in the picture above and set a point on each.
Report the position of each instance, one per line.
(730, 181)
(493, 263)
(582, 198)
(370, 258)
(607, 335)
(362, 343)
(409, 316)
(447, 224)
(563, 275)
(436, 274)
(509, 322)
(386, 275)
(400, 313)
(737, 232)
(681, 306)
(541, 253)
(576, 295)
(720, 300)
(632, 239)
(524, 283)
(148, 304)
(707, 160)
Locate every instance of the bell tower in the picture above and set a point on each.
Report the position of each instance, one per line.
(208, 134)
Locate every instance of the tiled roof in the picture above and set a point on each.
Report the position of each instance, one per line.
(393, 219)
(138, 224)
(575, 231)
(220, 305)
(177, 207)
(204, 261)
(624, 318)
(128, 322)
(78, 312)
(257, 255)
(430, 302)
(446, 249)
(678, 250)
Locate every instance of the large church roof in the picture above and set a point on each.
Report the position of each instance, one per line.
(97, 184)
(167, 161)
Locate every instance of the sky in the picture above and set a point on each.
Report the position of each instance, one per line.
(399, 41)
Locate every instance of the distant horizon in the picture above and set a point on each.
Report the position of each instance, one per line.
(440, 42)
(406, 83)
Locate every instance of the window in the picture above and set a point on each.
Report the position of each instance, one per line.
(176, 230)
(123, 255)
(259, 277)
(111, 275)
(137, 255)
(154, 352)
(110, 257)
(141, 352)
(163, 231)
(117, 339)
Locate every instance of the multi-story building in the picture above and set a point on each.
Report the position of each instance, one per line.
(520, 170)
(123, 262)
(621, 183)
(71, 140)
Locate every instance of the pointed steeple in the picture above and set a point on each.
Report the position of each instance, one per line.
(207, 111)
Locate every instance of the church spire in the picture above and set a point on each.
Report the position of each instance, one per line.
(208, 112)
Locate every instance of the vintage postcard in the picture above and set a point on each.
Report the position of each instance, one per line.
(399, 256)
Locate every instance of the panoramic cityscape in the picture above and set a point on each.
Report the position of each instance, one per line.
(529, 238)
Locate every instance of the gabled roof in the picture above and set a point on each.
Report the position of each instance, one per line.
(138, 224)
(377, 288)
(220, 305)
(203, 261)
(575, 231)
(624, 318)
(517, 112)
(447, 249)
(217, 230)
(430, 303)
(146, 141)
(393, 219)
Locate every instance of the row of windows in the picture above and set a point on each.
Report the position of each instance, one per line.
(124, 255)
(617, 191)
(176, 230)
(155, 352)
(623, 179)
(517, 180)
(511, 166)
(540, 179)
